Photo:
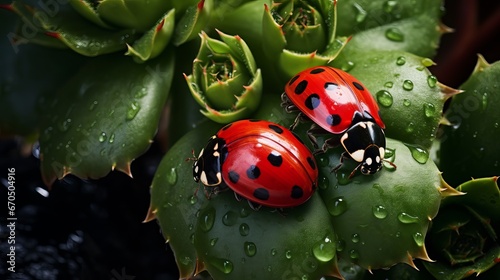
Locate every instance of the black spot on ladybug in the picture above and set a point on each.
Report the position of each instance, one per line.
(312, 101)
(253, 172)
(276, 128)
(333, 119)
(293, 80)
(358, 86)
(261, 193)
(233, 176)
(300, 87)
(275, 159)
(317, 70)
(330, 86)
(297, 192)
(311, 163)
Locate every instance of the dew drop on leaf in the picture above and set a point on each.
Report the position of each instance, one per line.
(133, 110)
(102, 137)
(213, 241)
(401, 61)
(355, 238)
(388, 84)
(324, 250)
(354, 254)
(193, 199)
(172, 176)
(207, 219)
(250, 249)
(429, 110)
(230, 218)
(406, 218)
(407, 85)
(390, 6)
(93, 105)
(394, 34)
(419, 154)
(111, 139)
(418, 238)
(225, 266)
(288, 254)
(64, 125)
(244, 229)
(337, 206)
(379, 212)
(347, 66)
(384, 98)
(431, 81)
(340, 245)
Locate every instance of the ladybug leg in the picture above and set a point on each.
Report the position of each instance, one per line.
(237, 197)
(391, 163)
(254, 206)
(311, 134)
(342, 157)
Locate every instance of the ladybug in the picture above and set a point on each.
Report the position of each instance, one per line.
(338, 103)
(259, 160)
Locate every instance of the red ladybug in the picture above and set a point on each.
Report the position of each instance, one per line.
(259, 160)
(338, 103)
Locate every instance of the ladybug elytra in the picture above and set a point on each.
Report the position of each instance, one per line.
(338, 103)
(259, 160)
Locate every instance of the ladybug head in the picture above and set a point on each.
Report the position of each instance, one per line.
(372, 159)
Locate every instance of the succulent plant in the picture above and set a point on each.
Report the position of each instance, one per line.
(125, 64)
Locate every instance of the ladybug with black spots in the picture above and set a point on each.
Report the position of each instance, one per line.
(338, 103)
(259, 160)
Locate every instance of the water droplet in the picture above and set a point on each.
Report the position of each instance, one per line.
(401, 60)
(93, 105)
(225, 266)
(406, 102)
(354, 254)
(323, 182)
(394, 34)
(496, 125)
(384, 98)
(391, 6)
(388, 84)
(102, 137)
(432, 81)
(172, 176)
(207, 219)
(141, 93)
(410, 127)
(244, 229)
(407, 85)
(429, 110)
(288, 254)
(133, 110)
(213, 241)
(244, 212)
(419, 154)
(274, 252)
(342, 177)
(355, 238)
(360, 13)
(111, 139)
(250, 249)
(324, 250)
(347, 66)
(418, 238)
(379, 212)
(64, 125)
(340, 245)
(230, 218)
(406, 218)
(191, 237)
(269, 268)
(193, 199)
(337, 206)
(485, 100)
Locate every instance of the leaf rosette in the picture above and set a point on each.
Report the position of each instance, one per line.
(225, 80)
(300, 34)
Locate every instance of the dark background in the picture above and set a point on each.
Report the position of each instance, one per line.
(92, 229)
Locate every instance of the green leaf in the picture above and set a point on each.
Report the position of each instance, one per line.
(104, 117)
(408, 95)
(72, 30)
(26, 80)
(469, 148)
(86, 8)
(132, 14)
(154, 41)
(411, 26)
(174, 199)
(192, 22)
(228, 238)
(381, 219)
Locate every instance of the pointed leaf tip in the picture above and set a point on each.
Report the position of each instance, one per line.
(151, 215)
(481, 64)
